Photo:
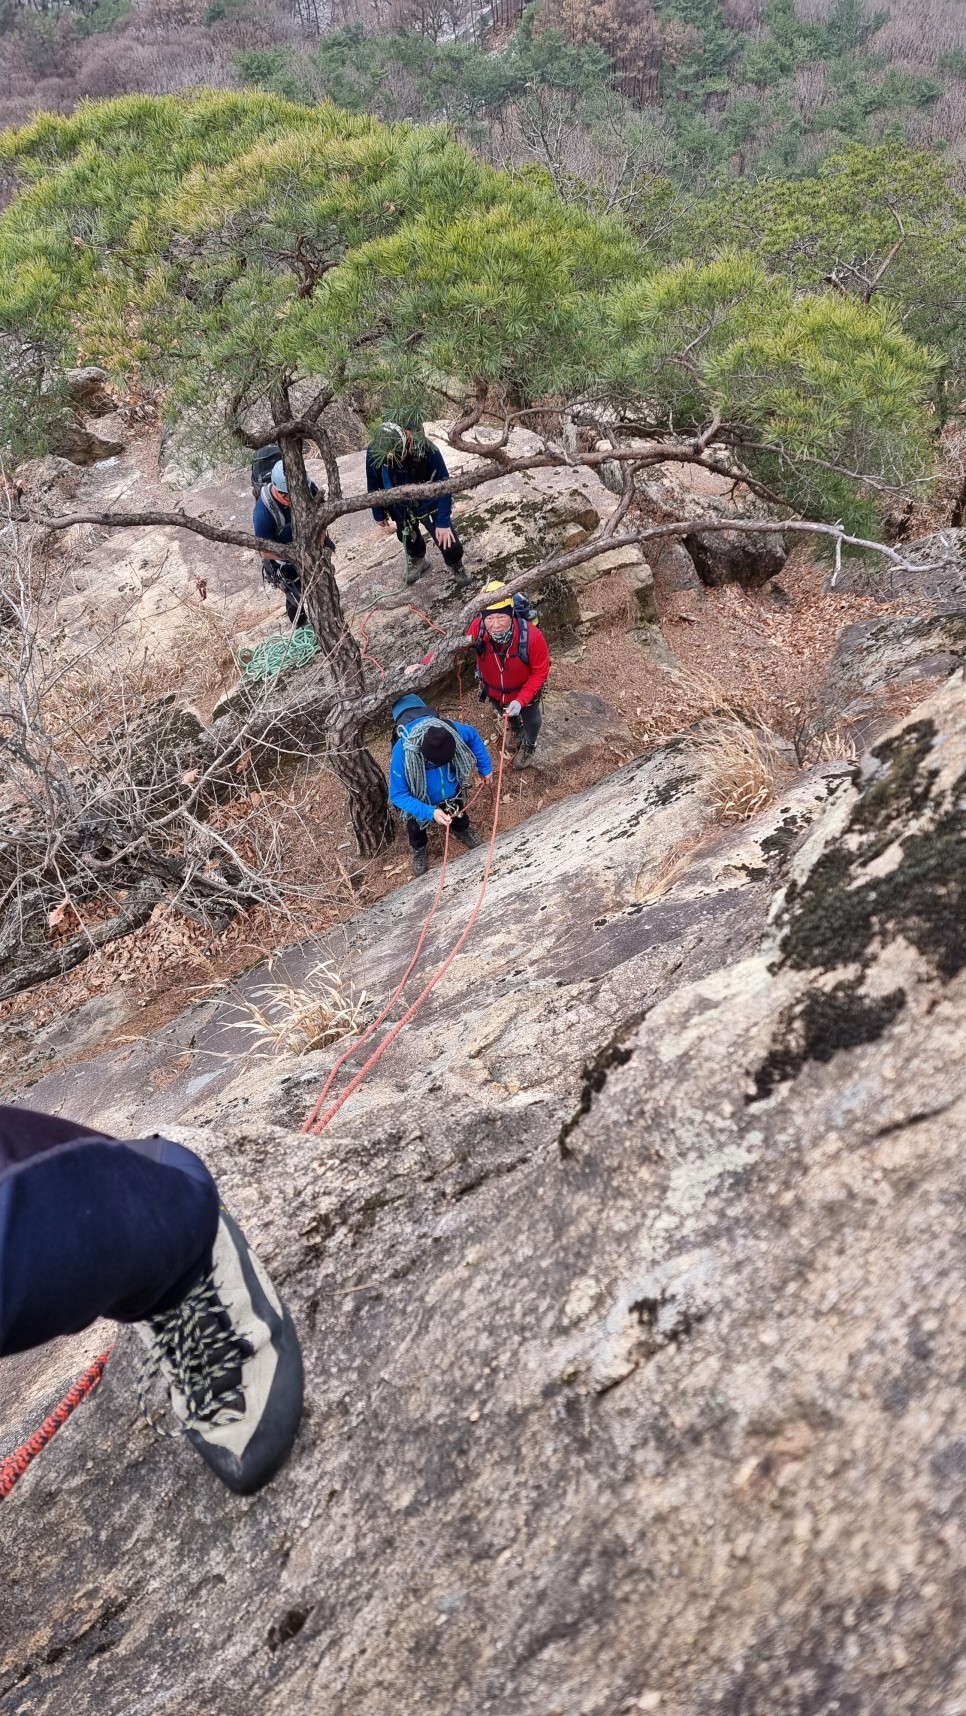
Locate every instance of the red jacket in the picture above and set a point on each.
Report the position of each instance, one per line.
(504, 676)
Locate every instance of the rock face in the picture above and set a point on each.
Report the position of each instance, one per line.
(631, 1289)
(77, 441)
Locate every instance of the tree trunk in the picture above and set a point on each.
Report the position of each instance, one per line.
(366, 787)
(354, 766)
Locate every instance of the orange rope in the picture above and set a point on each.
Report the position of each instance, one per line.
(318, 1126)
(12, 1468)
(390, 1004)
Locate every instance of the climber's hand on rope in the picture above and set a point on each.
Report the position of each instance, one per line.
(442, 817)
(512, 710)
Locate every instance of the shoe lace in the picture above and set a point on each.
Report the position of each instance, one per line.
(196, 1351)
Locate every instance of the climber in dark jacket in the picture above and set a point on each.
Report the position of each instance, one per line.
(399, 454)
(272, 521)
(431, 764)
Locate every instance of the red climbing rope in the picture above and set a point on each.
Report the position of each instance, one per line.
(318, 1126)
(12, 1468)
(394, 997)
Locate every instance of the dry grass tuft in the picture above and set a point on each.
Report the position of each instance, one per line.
(744, 768)
(293, 1020)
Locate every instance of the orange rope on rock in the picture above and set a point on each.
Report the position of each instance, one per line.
(12, 1468)
(318, 1126)
(390, 1004)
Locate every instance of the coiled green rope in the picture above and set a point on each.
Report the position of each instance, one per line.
(268, 660)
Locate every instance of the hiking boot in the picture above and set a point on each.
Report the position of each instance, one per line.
(469, 838)
(413, 570)
(524, 757)
(229, 1357)
(420, 861)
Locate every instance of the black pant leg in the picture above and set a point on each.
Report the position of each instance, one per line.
(531, 721)
(417, 833)
(92, 1226)
(452, 556)
(412, 539)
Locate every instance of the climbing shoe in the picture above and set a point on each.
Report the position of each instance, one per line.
(229, 1358)
(469, 838)
(524, 757)
(421, 861)
(413, 570)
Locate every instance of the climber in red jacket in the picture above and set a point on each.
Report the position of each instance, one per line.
(512, 664)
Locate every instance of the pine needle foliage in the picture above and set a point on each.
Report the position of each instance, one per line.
(217, 247)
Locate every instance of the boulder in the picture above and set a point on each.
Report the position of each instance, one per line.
(73, 439)
(748, 558)
(89, 390)
(578, 725)
(559, 611)
(641, 581)
(49, 481)
(624, 559)
(672, 564)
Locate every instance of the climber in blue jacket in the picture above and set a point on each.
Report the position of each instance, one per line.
(431, 764)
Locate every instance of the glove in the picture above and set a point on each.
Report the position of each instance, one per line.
(513, 708)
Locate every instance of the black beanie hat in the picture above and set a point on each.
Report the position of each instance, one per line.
(438, 746)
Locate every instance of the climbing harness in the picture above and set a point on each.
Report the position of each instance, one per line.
(318, 1125)
(268, 660)
(12, 1468)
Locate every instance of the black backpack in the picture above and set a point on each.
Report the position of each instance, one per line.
(405, 720)
(263, 463)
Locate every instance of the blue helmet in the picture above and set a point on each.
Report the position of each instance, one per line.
(403, 705)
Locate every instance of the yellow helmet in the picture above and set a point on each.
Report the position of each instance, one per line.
(494, 607)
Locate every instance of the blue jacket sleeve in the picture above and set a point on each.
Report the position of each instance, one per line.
(374, 483)
(477, 746)
(444, 506)
(400, 796)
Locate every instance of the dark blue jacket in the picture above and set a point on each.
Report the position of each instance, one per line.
(265, 525)
(441, 784)
(268, 528)
(424, 467)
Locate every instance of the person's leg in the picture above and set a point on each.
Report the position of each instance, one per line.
(294, 608)
(414, 543)
(92, 1226)
(530, 722)
(452, 556)
(418, 837)
(532, 717)
(464, 830)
